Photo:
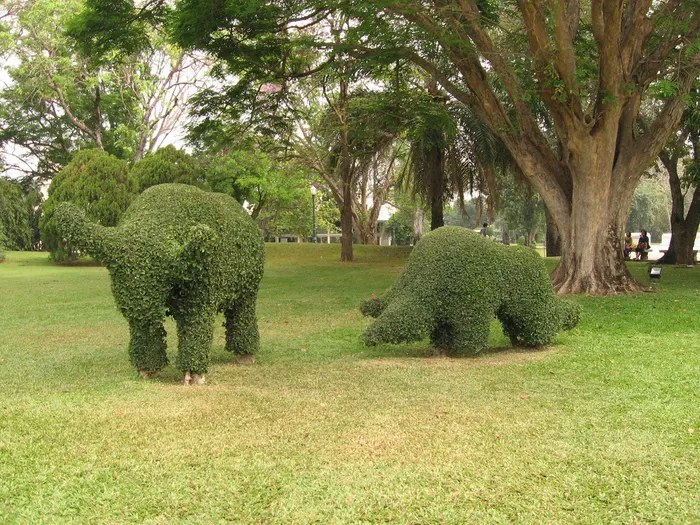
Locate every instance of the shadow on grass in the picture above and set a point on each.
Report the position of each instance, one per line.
(492, 356)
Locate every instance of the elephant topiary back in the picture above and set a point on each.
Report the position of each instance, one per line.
(455, 282)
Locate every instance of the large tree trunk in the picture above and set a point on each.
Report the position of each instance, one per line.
(592, 259)
(684, 227)
(346, 254)
(592, 217)
(552, 237)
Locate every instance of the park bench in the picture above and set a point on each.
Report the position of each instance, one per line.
(695, 253)
(666, 239)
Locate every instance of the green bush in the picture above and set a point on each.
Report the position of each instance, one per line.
(183, 252)
(167, 165)
(15, 216)
(97, 183)
(453, 285)
(2, 246)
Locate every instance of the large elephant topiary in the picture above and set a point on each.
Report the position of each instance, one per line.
(184, 252)
(453, 285)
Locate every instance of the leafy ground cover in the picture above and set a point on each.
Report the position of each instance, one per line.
(602, 427)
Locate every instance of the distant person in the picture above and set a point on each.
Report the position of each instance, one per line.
(642, 246)
(628, 245)
(482, 231)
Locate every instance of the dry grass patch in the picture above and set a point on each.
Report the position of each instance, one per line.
(494, 357)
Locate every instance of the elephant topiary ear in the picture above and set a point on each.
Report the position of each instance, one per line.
(84, 234)
(569, 313)
(194, 253)
(373, 307)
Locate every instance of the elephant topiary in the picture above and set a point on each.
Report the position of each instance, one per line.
(179, 251)
(453, 285)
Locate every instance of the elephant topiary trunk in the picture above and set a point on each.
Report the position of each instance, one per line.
(455, 283)
(183, 252)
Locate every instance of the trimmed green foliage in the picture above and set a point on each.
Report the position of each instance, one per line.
(455, 282)
(97, 183)
(167, 165)
(182, 252)
(15, 216)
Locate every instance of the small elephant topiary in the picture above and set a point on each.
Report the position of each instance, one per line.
(453, 285)
(179, 251)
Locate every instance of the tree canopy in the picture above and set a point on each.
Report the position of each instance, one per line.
(59, 100)
(561, 84)
(167, 165)
(15, 216)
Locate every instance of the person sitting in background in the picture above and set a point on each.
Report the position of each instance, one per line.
(482, 231)
(642, 246)
(628, 245)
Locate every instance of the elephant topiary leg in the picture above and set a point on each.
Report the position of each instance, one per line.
(195, 331)
(511, 327)
(468, 334)
(242, 336)
(531, 329)
(147, 347)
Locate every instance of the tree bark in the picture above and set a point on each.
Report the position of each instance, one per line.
(684, 227)
(367, 232)
(418, 225)
(346, 253)
(437, 187)
(592, 253)
(505, 235)
(552, 237)
(530, 239)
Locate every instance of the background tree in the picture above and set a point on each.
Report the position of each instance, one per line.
(59, 101)
(408, 223)
(431, 175)
(452, 152)
(16, 215)
(253, 176)
(95, 181)
(350, 141)
(682, 162)
(521, 211)
(167, 165)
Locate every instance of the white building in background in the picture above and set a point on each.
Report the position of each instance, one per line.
(384, 233)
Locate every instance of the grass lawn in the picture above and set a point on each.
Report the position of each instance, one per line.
(603, 427)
